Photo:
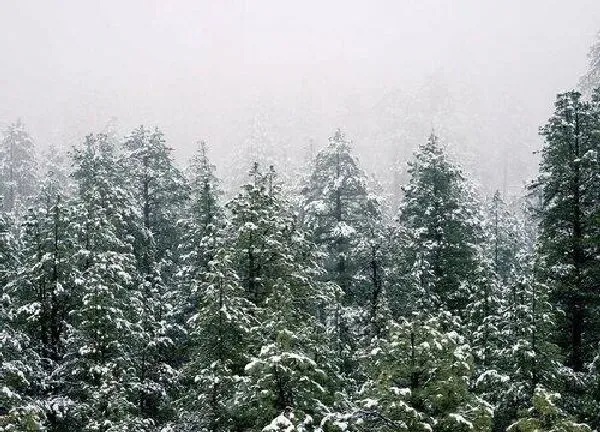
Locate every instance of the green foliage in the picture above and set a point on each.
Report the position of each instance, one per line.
(136, 301)
(17, 168)
(418, 380)
(220, 331)
(546, 416)
(100, 358)
(569, 185)
(342, 214)
(440, 230)
(20, 365)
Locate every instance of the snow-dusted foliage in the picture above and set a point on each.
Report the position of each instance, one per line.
(569, 185)
(17, 168)
(20, 364)
(201, 228)
(291, 365)
(545, 415)
(159, 192)
(343, 215)
(590, 81)
(568, 246)
(439, 235)
(417, 380)
(221, 332)
(132, 299)
(100, 364)
(345, 220)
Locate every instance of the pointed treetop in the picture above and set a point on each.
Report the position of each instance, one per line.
(433, 138)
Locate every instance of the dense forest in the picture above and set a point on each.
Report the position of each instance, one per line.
(138, 296)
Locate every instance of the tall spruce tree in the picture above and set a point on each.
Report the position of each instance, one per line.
(292, 367)
(160, 191)
(440, 233)
(100, 361)
(513, 349)
(17, 168)
(546, 415)
(417, 379)
(528, 358)
(221, 331)
(20, 366)
(569, 245)
(344, 218)
(202, 228)
(342, 213)
(44, 288)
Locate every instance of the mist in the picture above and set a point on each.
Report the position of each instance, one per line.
(315, 216)
(482, 74)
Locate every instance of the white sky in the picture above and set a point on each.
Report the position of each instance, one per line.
(201, 69)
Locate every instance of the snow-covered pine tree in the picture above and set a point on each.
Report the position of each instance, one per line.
(491, 304)
(292, 367)
(20, 365)
(511, 316)
(440, 232)
(253, 222)
(503, 238)
(529, 357)
(569, 231)
(569, 245)
(160, 191)
(100, 363)
(44, 288)
(344, 219)
(55, 165)
(342, 213)
(17, 168)
(546, 415)
(417, 380)
(221, 332)
(202, 228)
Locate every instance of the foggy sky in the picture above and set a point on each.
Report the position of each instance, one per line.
(204, 69)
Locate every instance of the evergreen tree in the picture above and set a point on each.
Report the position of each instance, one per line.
(100, 359)
(202, 228)
(221, 330)
(493, 302)
(417, 380)
(506, 232)
(254, 224)
(55, 165)
(292, 367)
(159, 190)
(440, 233)
(511, 323)
(342, 214)
(43, 291)
(344, 218)
(569, 222)
(20, 365)
(528, 358)
(546, 416)
(17, 168)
